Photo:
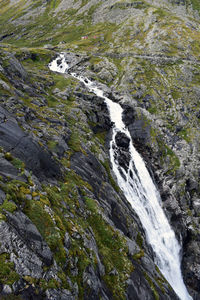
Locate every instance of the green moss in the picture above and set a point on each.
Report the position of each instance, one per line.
(52, 145)
(46, 224)
(74, 142)
(90, 204)
(161, 281)
(113, 183)
(195, 4)
(8, 206)
(174, 161)
(7, 270)
(139, 240)
(176, 94)
(138, 255)
(162, 13)
(101, 137)
(152, 286)
(112, 249)
(18, 163)
(185, 134)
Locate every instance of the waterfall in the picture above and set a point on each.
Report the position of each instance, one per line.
(135, 182)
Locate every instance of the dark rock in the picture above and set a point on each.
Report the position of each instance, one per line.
(122, 140)
(98, 115)
(17, 142)
(19, 285)
(128, 115)
(89, 168)
(16, 69)
(138, 128)
(8, 170)
(94, 289)
(191, 185)
(123, 158)
(29, 293)
(2, 197)
(139, 287)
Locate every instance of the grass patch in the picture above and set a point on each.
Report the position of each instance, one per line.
(112, 181)
(7, 270)
(113, 251)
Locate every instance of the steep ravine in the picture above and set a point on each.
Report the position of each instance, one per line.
(137, 186)
(67, 232)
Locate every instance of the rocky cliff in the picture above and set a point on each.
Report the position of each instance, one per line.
(67, 231)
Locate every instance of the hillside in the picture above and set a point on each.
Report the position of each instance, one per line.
(67, 231)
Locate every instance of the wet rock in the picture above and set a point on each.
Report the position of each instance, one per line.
(196, 206)
(122, 140)
(191, 263)
(123, 158)
(138, 287)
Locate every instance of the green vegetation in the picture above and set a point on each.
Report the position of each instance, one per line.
(139, 240)
(113, 183)
(8, 206)
(152, 286)
(113, 250)
(7, 270)
(195, 4)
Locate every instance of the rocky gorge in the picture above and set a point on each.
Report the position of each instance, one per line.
(67, 231)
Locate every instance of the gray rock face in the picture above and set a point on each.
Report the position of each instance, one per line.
(7, 169)
(27, 263)
(17, 142)
(21, 239)
(53, 294)
(28, 232)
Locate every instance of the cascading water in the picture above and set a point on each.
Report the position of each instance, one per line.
(137, 185)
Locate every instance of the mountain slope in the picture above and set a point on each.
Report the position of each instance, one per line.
(67, 232)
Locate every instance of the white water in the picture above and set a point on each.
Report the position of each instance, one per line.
(141, 192)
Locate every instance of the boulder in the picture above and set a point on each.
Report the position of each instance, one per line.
(122, 140)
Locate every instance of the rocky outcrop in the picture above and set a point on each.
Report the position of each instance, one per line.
(18, 143)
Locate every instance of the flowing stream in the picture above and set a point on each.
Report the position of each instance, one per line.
(139, 189)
